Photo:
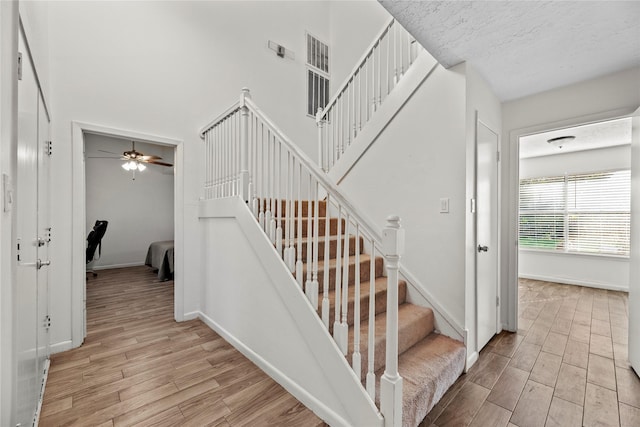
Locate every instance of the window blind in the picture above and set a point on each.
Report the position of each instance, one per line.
(317, 75)
(587, 213)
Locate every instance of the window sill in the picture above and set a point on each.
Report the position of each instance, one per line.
(574, 254)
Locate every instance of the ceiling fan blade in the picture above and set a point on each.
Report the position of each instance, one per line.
(154, 162)
(145, 158)
(103, 157)
(110, 152)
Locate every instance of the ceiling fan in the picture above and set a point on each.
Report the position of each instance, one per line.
(135, 160)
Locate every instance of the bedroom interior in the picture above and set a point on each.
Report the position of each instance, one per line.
(137, 202)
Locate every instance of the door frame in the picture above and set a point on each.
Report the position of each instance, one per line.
(479, 122)
(510, 294)
(78, 219)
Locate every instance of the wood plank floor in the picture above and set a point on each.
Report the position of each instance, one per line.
(139, 367)
(566, 366)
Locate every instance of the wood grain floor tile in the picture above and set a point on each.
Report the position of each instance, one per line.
(580, 332)
(464, 407)
(561, 325)
(564, 414)
(555, 343)
(139, 367)
(628, 387)
(545, 370)
(526, 356)
(629, 416)
(533, 406)
(601, 371)
(489, 370)
(508, 388)
(601, 327)
(491, 415)
(601, 345)
(571, 384)
(600, 407)
(508, 345)
(576, 353)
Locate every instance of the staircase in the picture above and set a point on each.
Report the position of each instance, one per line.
(429, 363)
(346, 268)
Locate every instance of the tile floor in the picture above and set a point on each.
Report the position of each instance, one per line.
(566, 366)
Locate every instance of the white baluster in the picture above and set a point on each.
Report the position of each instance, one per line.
(279, 217)
(325, 279)
(371, 334)
(321, 139)
(356, 360)
(272, 160)
(307, 285)
(261, 191)
(391, 381)
(299, 264)
(254, 167)
(344, 334)
(314, 278)
(338, 294)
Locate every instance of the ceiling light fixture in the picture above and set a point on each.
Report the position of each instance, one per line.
(561, 141)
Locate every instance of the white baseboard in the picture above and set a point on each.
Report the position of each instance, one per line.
(192, 315)
(320, 409)
(471, 360)
(61, 346)
(570, 281)
(47, 364)
(107, 267)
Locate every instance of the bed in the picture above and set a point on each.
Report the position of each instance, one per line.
(160, 257)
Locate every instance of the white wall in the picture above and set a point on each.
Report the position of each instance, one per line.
(252, 299)
(576, 269)
(418, 159)
(598, 99)
(139, 211)
(349, 41)
(167, 68)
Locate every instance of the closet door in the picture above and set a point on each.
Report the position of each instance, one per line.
(44, 235)
(28, 380)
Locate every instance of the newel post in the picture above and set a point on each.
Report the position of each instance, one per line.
(244, 145)
(391, 381)
(320, 123)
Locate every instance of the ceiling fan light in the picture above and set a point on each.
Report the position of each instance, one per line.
(132, 165)
(561, 141)
(141, 167)
(125, 166)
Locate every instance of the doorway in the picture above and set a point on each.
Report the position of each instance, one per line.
(82, 132)
(568, 177)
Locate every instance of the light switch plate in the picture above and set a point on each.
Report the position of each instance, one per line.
(444, 205)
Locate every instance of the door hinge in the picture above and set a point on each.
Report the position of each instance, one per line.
(18, 249)
(497, 156)
(47, 235)
(19, 65)
(49, 148)
(47, 322)
(497, 301)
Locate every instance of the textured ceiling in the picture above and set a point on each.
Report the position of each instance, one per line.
(588, 137)
(526, 47)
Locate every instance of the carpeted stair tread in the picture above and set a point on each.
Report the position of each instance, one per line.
(380, 300)
(364, 270)
(414, 324)
(427, 369)
(300, 207)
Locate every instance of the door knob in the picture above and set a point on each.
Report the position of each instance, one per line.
(40, 264)
(483, 248)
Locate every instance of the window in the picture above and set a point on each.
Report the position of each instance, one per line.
(317, 75)
(587, 213)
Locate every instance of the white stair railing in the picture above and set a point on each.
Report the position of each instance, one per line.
(248, 156)
(374, 77)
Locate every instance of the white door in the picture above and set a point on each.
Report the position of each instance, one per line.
(28, 380)
(486, 233)
(634, 276)
(44, 235)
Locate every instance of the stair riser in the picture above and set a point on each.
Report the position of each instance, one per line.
(333, 227)
(380, 305)
(333, 248)
(364, 273)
